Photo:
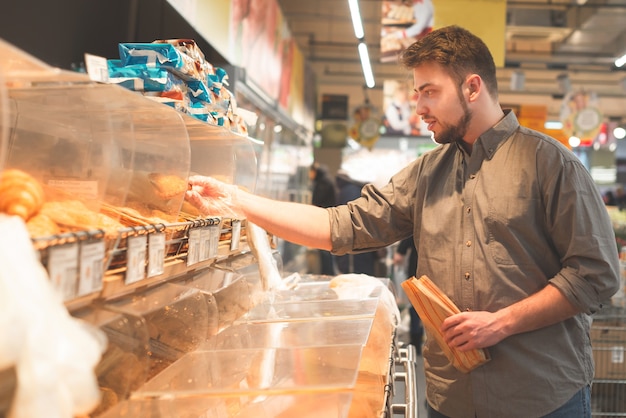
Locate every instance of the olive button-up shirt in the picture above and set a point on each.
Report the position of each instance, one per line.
(492, 228)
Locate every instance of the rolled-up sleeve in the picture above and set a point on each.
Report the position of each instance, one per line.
(340, 229)
(380, 217)
(582, 233)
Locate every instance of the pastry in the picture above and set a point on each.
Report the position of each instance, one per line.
(168, 186)
(41, 225)
(74, 215)
(20, 194)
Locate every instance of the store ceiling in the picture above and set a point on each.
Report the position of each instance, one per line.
(545, 39)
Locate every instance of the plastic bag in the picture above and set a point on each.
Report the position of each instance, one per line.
(53, 353)
(359, 286)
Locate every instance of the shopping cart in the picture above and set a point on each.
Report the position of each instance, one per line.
(608, 339)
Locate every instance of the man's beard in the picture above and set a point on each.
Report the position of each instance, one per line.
(456, 132)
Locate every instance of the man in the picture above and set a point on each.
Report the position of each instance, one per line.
(506, 221)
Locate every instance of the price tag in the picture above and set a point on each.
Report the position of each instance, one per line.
(214, 240)
(91, 266)
(617, 354)
(63, 269)
(136, 258)
(97, 68)
(193, 246)
(235, 235)
(205, 243)
(156, 254)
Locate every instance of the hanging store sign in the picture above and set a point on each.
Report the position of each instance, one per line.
(581, 116)
(405, 21)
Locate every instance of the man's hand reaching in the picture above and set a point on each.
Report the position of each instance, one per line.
(212, 197)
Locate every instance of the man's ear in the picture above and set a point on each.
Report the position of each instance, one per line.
(474, 86)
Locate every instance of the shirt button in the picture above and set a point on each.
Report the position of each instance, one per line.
(468, 209)
(468, 243)
(472, 176)
(467, 276)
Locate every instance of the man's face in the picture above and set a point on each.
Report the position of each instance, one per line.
(441, 104)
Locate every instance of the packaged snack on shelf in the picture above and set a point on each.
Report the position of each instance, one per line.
(189, 48)
(160, 55)
(141, 77)
(198, 91)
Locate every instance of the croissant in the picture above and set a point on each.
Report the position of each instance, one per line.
(168, 186)
(20, 194)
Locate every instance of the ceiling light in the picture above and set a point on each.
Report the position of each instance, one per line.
(356, 18)
(620, 61)
(367, 67)
(574, 141)
(553, 124)
(619, 133)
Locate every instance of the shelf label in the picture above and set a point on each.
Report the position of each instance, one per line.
(617, 354)
(63, 269)
(214, 240)
(84, 188)
(193, 246)
(97, 68)
(235, 235)
(156, 254)
(136, 258)
(205, 244)
(91, 267)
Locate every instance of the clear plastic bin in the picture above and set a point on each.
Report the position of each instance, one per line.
(222, 154)
(347, 309)
(94, 147)
(124, 365)
(231, 291)
(313, 405)
(293, 334)
(247, 266)
(312, 302)
(270, 381)
(105, 151)
(178, 319)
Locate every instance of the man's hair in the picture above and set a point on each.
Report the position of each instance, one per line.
(458, 51)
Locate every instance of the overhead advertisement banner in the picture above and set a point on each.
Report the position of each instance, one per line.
(403, 22)
(260, 41)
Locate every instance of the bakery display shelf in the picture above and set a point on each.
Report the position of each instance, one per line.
(156, 253)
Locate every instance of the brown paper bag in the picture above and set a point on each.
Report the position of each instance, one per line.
(433, 306)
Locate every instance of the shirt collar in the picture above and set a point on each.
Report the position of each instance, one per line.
(491, 139)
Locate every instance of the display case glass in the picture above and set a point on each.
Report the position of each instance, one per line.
(230, 290)
(221, 153)
(108, 157)
(178, 319)
(99, 151)
(124, 365)
(311, 405)
(281, 382)
(293, 334)
(246, 265)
